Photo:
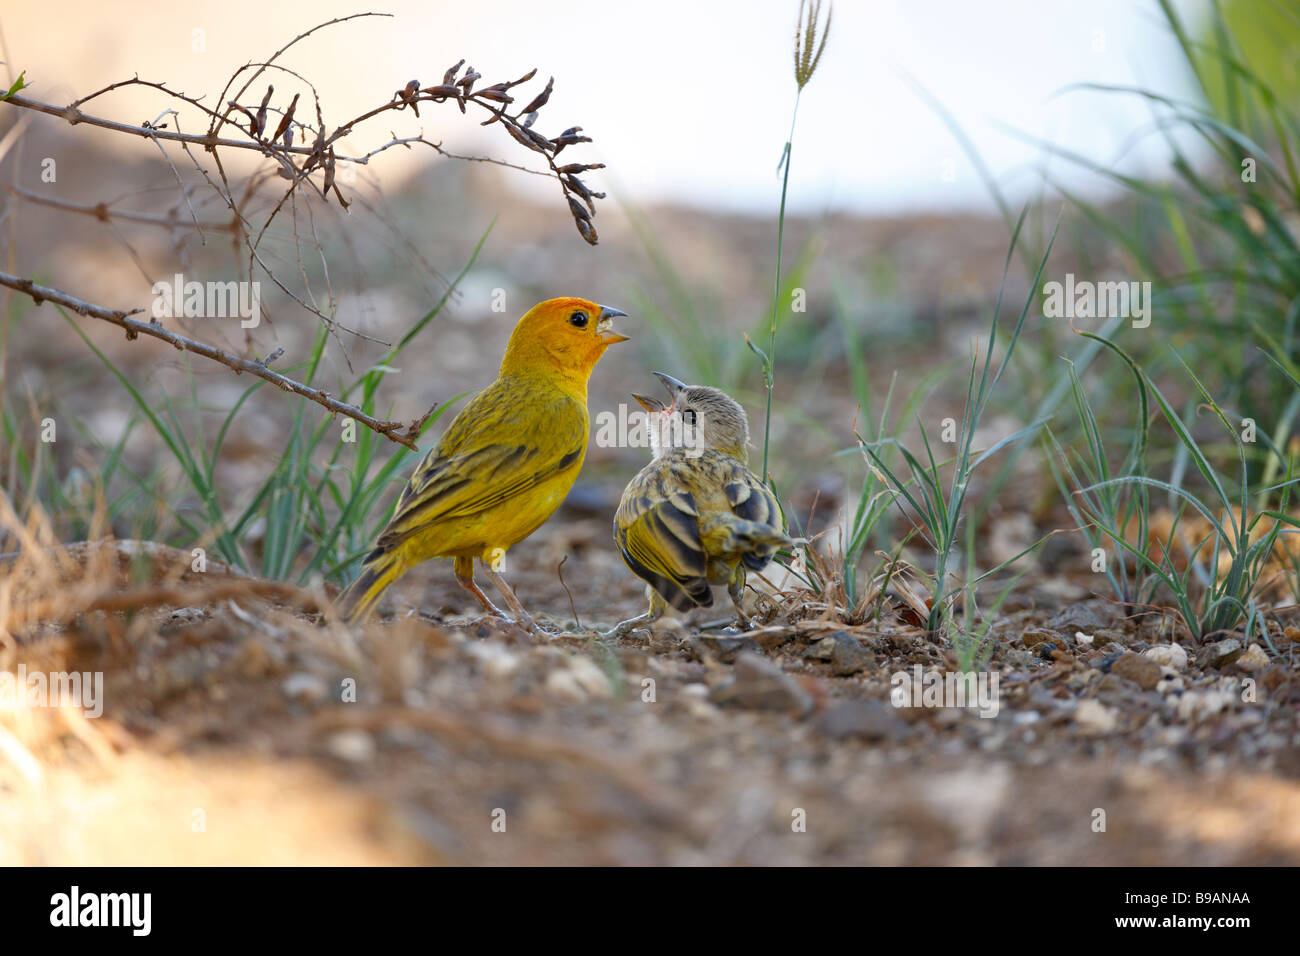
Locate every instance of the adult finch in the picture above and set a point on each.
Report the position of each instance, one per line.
(504, 464)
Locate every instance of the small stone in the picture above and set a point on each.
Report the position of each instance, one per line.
(1170, 680)
(1168, 655)
(1095, 717)
(1199, 704)
(1221, 653)
(760, 684)
(1035, 636)
(1141, 671)
(498, 663)
(1076, 617)
(353, 746)
(593, 680)
(864, 719)
(304, 687)
(1253, 658)
(1084, 640)
(849, 656)
(722, 648)
(562, 684)
(821, 650)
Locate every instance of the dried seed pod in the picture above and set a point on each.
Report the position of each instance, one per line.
(261, 111)
(523, 79)
(441, 91)
(568, 138)
(451, 74)
(540, 99)
(578, 209)
(495, 96)
(587, 230)
(572, 168)
(287, 119)
(521, 136)
(466, 82)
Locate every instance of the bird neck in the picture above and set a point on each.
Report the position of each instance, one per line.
(533, 362)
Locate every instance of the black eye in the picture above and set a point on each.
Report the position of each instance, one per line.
(578, 319)
(688, 416)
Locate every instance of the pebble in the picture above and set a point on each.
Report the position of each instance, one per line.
(353, 746)
(305, 687)
(1253, 658)
(760, 684)
(590, 677)
(1168, 655)
(1221, 653)
(562, 684)
(1137, 668)
(848, 656)
(1199, 704)
(864, 719)
(721, 648)
(1095, 716)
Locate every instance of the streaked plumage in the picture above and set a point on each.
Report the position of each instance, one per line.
(696, 515)
(505, 463)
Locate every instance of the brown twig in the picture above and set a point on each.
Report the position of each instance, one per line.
(396, 431)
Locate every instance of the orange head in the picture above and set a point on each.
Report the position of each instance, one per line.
(563, 337)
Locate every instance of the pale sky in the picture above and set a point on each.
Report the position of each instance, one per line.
(688, 100)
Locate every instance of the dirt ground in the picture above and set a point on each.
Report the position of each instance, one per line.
(231, 735)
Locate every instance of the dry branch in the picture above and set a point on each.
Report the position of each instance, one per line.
(403, 434)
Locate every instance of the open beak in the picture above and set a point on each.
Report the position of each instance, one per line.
(670, 383)
(604, 326)
(651, 405)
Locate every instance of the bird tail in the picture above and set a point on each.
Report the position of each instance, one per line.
(752, 541)
(380, 568)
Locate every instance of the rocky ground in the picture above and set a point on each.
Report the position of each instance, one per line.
(240, 727)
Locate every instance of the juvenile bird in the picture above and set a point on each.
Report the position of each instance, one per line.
(695, 515)
(504, 464)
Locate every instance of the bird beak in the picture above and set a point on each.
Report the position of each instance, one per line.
(651, 405)
(670, 383)
(604, 326)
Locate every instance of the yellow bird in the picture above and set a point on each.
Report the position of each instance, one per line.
(504, 464)
(696, 515)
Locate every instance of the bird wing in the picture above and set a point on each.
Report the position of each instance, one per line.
(751, 499)
(499, 447)
(657, 529)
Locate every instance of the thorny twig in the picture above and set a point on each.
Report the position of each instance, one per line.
(404, 435)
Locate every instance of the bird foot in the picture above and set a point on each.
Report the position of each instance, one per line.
(623, 628)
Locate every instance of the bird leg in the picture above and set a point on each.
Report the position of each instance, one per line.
(736, 588)
(522, 617)
(464, 568)
(657, 607)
